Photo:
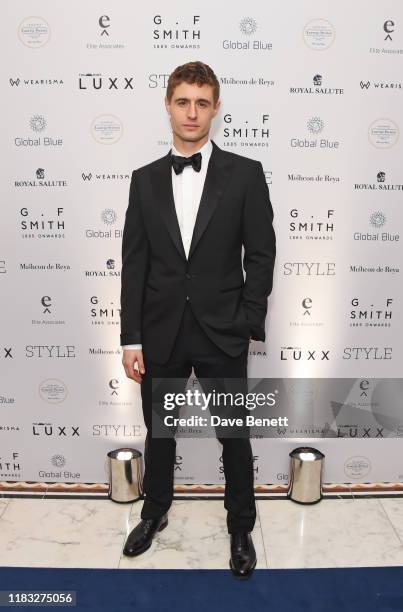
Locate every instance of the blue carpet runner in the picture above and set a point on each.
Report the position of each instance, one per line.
(280, 590)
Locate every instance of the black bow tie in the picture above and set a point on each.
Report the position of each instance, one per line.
(179, 162)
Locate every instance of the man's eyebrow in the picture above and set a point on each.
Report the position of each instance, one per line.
(197, 100)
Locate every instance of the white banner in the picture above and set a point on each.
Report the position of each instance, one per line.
(313, 90)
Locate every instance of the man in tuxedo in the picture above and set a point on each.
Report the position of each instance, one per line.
(184, 301)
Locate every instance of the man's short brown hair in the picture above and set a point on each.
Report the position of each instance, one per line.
(193, 72)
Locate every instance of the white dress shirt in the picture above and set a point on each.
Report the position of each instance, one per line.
(187, 189)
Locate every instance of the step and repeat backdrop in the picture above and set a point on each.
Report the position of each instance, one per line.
(313, 90)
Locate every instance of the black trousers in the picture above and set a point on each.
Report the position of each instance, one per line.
(193, 348)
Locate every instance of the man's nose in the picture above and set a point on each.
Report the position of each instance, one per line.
(192, 110)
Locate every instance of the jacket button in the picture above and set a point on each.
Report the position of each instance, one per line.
(187, 297)
(188, 275)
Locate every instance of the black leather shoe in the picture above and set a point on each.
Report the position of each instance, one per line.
(141, 537)
(243, 555)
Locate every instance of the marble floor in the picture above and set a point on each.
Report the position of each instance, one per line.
(356, 532)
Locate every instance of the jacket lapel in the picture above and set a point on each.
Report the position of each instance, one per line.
(217, 177)
(161, 181)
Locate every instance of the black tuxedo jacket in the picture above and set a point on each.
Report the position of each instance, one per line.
(156, 277)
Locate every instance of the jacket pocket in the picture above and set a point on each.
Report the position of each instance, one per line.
(232, 288)
(152, 287)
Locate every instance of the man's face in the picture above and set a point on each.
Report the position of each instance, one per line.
(191, 109)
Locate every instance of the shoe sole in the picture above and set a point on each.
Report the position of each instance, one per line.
(242, 576)
(139, 552)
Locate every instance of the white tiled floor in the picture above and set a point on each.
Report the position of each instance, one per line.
(91, 533)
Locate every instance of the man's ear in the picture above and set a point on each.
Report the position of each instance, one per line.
(217, 107)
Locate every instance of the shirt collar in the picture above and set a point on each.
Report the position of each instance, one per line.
(205, 150)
